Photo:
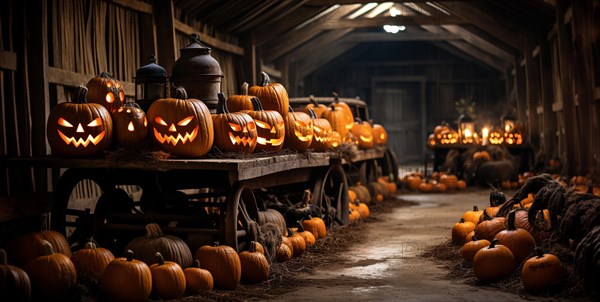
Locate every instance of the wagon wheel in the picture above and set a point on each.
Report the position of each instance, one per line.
(75, 220)
(369, 171)
(389, 165)
(330, 194)
(112, 201)
(241, 225)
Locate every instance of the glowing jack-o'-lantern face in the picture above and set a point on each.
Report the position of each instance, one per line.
(363, 132)
(496, 137)
(321, 133)
(298, 130)
(79, 128)
(270, 127)
(181, 126)
(106, 91)
(234, 132)
(379, 134)
(130, 124)
(513, 137)
(448, 137)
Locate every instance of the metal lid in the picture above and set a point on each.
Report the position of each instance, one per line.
(195, 59)
(151, 70)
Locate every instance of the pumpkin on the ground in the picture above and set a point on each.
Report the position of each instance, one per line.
(127, 279)
(519, 241)
(487, 229)
(52, 274)
(472, 246)
(255, 267)
(315, 225)
(284, 253)
(14, 282)
(223, 262)
(460, 230)
(168, 279)
(493, 262)
(28, 246)
(473, 216)
(542, 272)
(91, 261)
(172, 248)
(296, 242)
(197, 279)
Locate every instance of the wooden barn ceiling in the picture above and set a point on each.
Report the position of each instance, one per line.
(491, 32)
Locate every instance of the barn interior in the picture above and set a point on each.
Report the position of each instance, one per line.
(496, 95)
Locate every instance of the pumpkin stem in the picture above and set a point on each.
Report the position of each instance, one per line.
(256, 104)
(290, 232)
(105, 74)
(180, 93)
(336, 97)
(129, 255)
(48, 249)
(511, 221)
(222, 104)
(196, 263)
(474, 238)
(245, 88)
(153, 231)
(300, 226)
(216, 243)
(290, 109)
(264, 79)
(486, 216)
(312, 100)
(252, 248)
(312, 113)
(462, 220)
(80, 94)
(159, 258)
(475, 208)
(538, 252)
(493, 244)
(90, 245)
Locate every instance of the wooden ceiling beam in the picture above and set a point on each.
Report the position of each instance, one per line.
(342, 2)
(385, 37)
(295, 39)
(479, 42)
(324, 41)
(282, 8)
(398, 20)
(256, 12)
(274, 30)
(312, 63)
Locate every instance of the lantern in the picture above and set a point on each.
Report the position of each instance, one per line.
(466, 129)
(150, 84)
(508, 122)
(496, 137)
(199, 73)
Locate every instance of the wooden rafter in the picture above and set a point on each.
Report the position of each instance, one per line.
(403, 20)
(479, 42)
(278, 27)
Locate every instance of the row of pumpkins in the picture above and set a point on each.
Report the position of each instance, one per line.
(438, 182)
(157, 265)
(497, 246)
(360, 197)
(259, 119)
(444, 134)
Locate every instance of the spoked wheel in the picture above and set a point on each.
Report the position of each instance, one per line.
(241, 225)
(389, 165)
(369, 171)
(330, 194)
(73, 217)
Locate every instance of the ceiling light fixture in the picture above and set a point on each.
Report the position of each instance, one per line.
(393, 29)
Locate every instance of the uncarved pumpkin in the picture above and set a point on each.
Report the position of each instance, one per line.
(168, 279)
(14, 282)
(52, 274)
(239, 102)
(91, 261)
(127, 279)
(255, 267)
(223, 262)
(493, 262)
(171, 248)
(272, 95)
(197, 279)
(542, 272)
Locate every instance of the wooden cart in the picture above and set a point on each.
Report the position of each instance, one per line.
(200, 200)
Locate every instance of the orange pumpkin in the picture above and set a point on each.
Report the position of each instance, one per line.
(379, 134)
(272, 95)
(222, 262)
(239, 102)
(234, 132)
(298, 130)
(270, 127)
(106, 91)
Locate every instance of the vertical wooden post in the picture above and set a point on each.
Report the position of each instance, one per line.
(548, 143)
(566, 83)
(532, 75)
(36, 87)
(165, 29)
(147, 39)
(520, 88)
(249, 68)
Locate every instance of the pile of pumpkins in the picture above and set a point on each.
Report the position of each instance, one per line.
(497, 246)
(438, 182)
(360, 197)
(99, 117)
(155, 265)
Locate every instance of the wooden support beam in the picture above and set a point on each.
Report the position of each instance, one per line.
(165, 29)
(479, 42)
(533, 86)
(274, 30)
(295, 39)
(208, 40)
(135, 5)
(384, 37)
(549, 142)
(324, 41)
(311, 64)
(520, 90)
(398, 20)
(74, 79)
(333, 2)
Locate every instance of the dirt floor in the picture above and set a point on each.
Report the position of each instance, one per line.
(391, 257)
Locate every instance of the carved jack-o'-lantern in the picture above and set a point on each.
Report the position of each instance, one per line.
(379, 134)
(363, 132)
(431, 140)
(448, 137)
(270, 127)
(130, 124)
(181, 126)
(496, 137)
(321, 133)
(437, 131)
(234, 132)
(513, 137)
(336, 139)
(298, 130)
(79, 128)
(106, 91)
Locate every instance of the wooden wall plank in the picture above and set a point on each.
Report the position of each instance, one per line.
(208, 40)
(165, 29)
(74, 79)
(8, 60)
(549, 141)
(533, 86)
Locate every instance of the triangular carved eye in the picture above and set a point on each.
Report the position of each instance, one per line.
(262, 124)
(185, 121)
(64, 123)
(159, 120)
(95, 123)
(235, 127)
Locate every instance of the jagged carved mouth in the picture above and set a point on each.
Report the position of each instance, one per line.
(273, 141)
(246, 141)
(174, 140)
(81, 141)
